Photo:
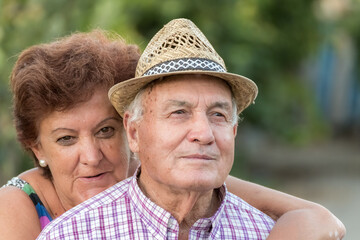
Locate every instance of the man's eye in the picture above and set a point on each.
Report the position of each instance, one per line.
(66, 140)
(217, 114)
(178, 112)
(220, 117)
(106, 132)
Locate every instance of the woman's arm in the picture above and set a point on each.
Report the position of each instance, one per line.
(296, 218)
(18, 216)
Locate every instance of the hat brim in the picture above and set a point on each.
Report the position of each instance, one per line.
(123, 93)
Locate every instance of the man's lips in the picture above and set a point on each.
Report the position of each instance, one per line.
(199, 157)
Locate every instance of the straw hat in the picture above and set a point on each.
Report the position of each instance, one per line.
(180, 48)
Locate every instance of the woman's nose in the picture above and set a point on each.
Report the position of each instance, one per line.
(91, 153)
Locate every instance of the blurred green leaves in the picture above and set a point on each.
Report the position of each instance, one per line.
(264, 40)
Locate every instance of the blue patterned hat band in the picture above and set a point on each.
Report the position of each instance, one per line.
(185, 64)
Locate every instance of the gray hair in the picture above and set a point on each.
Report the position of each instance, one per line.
(136, 107)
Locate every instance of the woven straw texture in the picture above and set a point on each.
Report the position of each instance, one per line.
(180, 48)
(177, 39)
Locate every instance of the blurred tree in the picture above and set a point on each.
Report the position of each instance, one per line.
(264, 40)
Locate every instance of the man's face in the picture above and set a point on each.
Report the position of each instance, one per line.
(185, 140)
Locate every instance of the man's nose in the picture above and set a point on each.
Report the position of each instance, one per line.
(201, 130)
(90, 152)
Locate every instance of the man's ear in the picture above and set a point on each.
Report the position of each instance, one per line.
(131, 129)
(235, 130)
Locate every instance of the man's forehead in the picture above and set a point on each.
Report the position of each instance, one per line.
(178, 92)
(186, 80)
(190, 77)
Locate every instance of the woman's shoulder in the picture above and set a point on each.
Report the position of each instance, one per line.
(13, 195)
(13, 192)
(33, 174)
(45, 190)
(18, 218)
(16, 182)
(41, 185)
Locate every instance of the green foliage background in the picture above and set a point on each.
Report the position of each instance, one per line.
(264, 40)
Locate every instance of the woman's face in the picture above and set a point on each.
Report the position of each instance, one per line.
(85, 149)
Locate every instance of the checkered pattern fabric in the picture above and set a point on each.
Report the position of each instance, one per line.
(124, 212)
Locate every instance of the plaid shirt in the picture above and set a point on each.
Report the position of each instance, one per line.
(124, 212)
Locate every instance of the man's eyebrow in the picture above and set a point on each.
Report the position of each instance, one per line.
(223, 105)
(176, 103)
(179, 103)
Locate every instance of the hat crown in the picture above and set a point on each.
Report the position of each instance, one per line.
(180, 48)
(179, 39)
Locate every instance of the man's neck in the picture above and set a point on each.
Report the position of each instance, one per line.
(185, 206)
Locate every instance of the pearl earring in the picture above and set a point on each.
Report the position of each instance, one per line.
(42, 163)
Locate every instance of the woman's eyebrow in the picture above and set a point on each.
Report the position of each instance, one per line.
(117, 119)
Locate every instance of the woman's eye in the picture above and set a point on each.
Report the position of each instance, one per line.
(66, 140)
(106, 132)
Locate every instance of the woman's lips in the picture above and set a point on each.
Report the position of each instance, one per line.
(95, 175)
(91, 178)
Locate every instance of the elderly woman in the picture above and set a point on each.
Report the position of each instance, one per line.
(64, 119)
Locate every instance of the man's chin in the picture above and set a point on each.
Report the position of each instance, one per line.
(200, 185)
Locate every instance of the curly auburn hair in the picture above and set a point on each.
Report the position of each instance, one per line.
(58, 75)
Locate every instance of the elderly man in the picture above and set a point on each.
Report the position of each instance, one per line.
(180, 114)
(185, 142)
(182, 126)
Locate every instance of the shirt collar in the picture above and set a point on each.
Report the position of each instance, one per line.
(155, 217)
(159, 220)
